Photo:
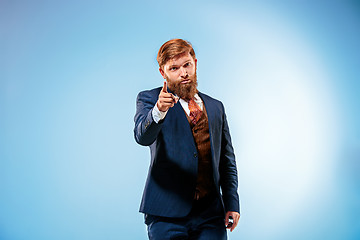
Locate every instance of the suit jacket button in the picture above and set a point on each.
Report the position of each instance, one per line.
(195, 155)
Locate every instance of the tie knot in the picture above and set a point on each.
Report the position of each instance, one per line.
(193, 105)
(195, 111)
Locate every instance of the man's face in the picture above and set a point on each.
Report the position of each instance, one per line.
(180, 73)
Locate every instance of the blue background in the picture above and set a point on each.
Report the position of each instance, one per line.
(287, 72)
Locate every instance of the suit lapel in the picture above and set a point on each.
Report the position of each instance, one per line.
(211, 120)
(209, 110)
(182, 121)
(180, 114)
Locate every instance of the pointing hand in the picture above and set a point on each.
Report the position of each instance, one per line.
(166, 100)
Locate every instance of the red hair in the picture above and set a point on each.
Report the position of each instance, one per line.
(172, 49)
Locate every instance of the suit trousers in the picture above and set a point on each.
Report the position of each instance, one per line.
(204, 222)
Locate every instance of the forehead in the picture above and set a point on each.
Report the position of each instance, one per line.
(180, 59)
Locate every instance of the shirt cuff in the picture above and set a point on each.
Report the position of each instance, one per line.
(157, 114)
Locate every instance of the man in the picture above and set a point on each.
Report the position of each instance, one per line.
(191, 154)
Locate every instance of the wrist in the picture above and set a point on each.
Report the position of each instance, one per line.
(157, 114)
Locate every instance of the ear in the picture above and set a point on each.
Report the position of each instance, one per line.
(162, 72)
(195, 63)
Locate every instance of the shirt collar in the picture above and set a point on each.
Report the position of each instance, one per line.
(196, 98)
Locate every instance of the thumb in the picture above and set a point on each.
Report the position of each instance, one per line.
(227, 218)
(164, 89)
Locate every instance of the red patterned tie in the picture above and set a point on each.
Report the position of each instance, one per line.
(195, 111)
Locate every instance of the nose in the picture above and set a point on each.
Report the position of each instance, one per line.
(183, 72)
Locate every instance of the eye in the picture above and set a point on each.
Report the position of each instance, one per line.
(173, 68)
(187, 64)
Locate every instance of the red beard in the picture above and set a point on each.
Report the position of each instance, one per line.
(185, 91)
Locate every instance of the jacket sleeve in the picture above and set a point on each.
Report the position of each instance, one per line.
(228, 170)
(146, 129)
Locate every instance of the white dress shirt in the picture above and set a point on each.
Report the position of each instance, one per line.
(159, 115)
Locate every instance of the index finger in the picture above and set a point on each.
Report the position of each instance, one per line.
(164, 89)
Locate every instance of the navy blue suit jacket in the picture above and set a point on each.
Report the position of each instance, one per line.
(170, 185)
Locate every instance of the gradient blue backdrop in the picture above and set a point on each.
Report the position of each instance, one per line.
(287, 72)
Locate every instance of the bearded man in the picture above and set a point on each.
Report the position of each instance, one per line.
(191, 188)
